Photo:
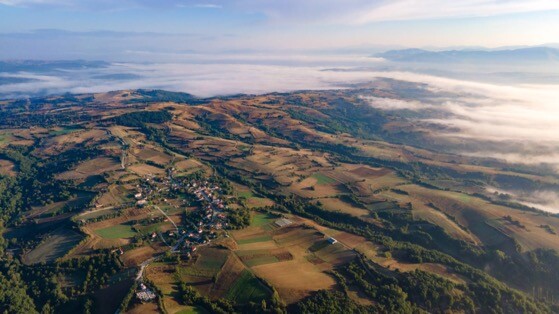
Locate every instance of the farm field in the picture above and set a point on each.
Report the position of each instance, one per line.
(89, 168)
(469, 211)
(54, 246)
(285, 258)
(116, 232)
(286, 198)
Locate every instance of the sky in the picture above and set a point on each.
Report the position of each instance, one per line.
(166, 29)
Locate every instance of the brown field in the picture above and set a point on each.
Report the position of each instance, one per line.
(311, 189)
(294, 259)
(165, 278)
(421, 210)
(485, 219)
(7, 168)
(136, 256)
(142, 308)
(295, 279)
(72, 137)
(94, 241)
(257, 202)
(54, 246)
(115, 195)
(128, 135)
(336, 204)
(188, 165)
(91, 167)
(143, 169)
(229, 273)
(153, 155)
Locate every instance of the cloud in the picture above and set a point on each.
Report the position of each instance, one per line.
(436, 9)
(513, 123)
(326, 11)
(391, 104)
(209, 6)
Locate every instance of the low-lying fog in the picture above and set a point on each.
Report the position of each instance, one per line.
(516, 115)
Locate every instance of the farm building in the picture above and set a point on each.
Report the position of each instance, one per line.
(332, 240)
(283, 222)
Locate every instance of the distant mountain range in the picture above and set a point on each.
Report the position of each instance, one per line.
(533, 55)
(42, 66)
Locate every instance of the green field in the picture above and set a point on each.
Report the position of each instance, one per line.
(245, 194)
(322, 179)
(98, 213)
(63, 131)
(260, 219)
(192, 310)
(2, 138)
(262, 238)
(151, 228)
(116, 232)
(247, 288)
(210, 263)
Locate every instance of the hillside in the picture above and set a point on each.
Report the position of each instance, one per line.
(302, 202)
(523, 55)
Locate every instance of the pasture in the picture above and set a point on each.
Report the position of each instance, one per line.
(116, 232)
(322, 179)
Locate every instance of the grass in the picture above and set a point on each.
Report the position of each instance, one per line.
(3, 138)
(97, 214)
(322, 179)
(246, 288)
(263, 238)
(192, 310)
(260, 219)
(116, 232)
(152, 228)
(63, 131)
(211, 263)
(246, 194)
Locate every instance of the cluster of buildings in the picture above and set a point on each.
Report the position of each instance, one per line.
(144, 294)
(203, 223)
(209, 216)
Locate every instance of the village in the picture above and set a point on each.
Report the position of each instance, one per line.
(198, 227)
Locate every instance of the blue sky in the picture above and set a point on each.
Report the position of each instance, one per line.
(115, 30)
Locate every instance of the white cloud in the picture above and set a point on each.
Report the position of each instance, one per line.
(326, 11)
(391, 104)
(435, 9)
